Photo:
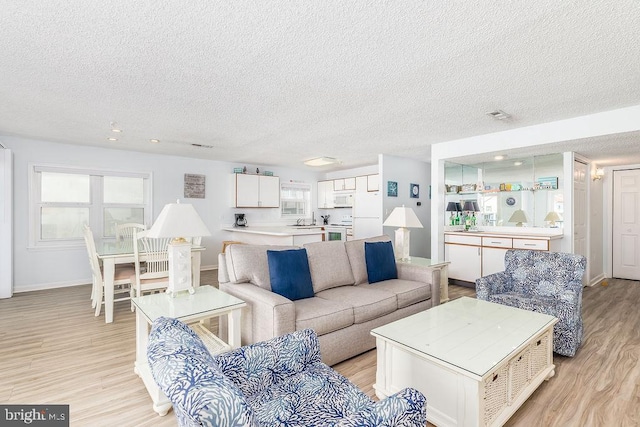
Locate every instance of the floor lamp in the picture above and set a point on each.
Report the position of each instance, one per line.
(179, 221)
(404, 218)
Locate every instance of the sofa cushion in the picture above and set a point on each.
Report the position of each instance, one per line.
(368, 302)
(381, 263)
(355, 251)
(248, 263)
(323, 316)
(408, 292)
(329, 265)
(289, 273)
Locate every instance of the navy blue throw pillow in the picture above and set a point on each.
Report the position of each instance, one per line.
(381, 263)
(289, 273)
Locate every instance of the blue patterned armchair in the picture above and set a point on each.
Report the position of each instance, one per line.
(544, 282)
(279, 382)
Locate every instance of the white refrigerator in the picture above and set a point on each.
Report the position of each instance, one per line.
(367, 214)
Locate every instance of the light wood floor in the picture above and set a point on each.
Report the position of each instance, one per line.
(55, 351)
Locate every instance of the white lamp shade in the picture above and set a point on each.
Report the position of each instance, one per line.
(552, 216)
(403, 217)
(519, 216)
(178, 220)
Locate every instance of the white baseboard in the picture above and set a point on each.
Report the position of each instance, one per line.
(596, 280)
(54, 285)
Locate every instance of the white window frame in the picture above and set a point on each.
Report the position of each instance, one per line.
(96, 205)
(299, 185)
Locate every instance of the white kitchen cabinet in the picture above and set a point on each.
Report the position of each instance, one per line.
(325, 194)
(361, 184)
(493, 250)
(477, 255)
(344, 184)
(373, 182)
(256, 191)
(465, 261)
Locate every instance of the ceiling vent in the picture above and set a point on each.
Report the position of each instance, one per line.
(191, 144)
(499, 115)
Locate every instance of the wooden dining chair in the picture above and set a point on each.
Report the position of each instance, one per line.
(152, 274)
(122, 278)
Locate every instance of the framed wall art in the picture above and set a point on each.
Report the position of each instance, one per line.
(414, 191)
(194, 186)
(392, 189)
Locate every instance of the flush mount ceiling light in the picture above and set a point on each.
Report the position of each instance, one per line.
(321, 161)
(517, 163)
(499, 115)
(499, 157)
(112, 139)
(155, 141)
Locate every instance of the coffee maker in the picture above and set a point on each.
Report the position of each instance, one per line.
(240, 221)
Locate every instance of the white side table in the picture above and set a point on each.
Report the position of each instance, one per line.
(443, 266)
(205, 303)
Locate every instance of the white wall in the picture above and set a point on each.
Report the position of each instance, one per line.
(6, 224)
(47, 268)
(406, 171)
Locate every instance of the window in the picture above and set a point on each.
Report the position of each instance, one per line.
(63, 199)
(295, 200)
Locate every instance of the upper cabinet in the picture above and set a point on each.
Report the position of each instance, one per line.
(532, 186)
(255, 191)
(325, 194)
(366, 183)
(344, 184)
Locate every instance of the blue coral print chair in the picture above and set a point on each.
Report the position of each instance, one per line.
(545, 282)
(279, 382)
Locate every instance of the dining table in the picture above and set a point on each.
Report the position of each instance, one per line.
(113, 253)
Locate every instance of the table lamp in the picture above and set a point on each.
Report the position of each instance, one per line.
(552, 217)
(519, 217)
(179, 221)
(404, 218)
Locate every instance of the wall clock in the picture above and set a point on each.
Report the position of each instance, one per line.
(511, 201)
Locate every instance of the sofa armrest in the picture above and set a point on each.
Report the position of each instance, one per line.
(419, 273)
(268, 314)
(492, 284)
(255, 367)
(405, 408)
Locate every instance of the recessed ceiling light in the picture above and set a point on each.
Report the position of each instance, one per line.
(517, 163)
(321, 161)
(155, 141)
(115, 127)
(112, 139)
(499, 115)
(499, 157)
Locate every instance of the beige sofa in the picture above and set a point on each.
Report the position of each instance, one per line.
(345, 307)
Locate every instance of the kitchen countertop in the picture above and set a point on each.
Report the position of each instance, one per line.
(278, 231)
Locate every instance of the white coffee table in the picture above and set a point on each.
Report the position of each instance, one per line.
(475, 361)
(205, 303)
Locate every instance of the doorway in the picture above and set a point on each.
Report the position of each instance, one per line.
(626, 224)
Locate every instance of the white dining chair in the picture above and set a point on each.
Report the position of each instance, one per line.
(124, 232)
(152, 274)
(122, 278)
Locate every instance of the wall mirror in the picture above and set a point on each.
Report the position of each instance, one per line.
(532, 186)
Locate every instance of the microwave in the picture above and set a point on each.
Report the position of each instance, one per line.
(342, 200)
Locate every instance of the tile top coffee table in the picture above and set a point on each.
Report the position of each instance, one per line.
(475, 361)
(205, 303)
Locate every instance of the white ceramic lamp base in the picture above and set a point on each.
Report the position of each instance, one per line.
(402, 243)
(179, 268)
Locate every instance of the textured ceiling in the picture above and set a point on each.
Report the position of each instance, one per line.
(281, 81)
